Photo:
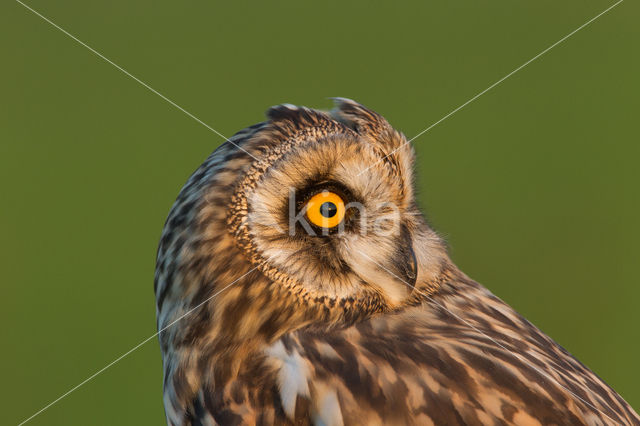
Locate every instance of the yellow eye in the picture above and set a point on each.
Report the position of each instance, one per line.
(325, 209)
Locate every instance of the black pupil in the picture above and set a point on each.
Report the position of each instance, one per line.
(328, 209)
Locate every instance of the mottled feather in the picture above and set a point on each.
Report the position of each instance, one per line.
(261, 326)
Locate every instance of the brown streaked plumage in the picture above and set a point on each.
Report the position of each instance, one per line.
(263, 322)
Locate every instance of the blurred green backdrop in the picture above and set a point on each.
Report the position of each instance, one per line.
(535, 184)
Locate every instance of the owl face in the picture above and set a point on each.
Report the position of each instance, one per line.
(306, 219)
(329, 210)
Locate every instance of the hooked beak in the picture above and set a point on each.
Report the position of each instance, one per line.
(405, 265)
(394, 272)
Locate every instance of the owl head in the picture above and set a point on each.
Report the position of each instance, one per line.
(316, 208)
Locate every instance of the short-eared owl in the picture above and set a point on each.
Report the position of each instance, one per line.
(298, 283)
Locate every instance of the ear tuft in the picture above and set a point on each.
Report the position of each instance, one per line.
(295, 116)
(358, 117)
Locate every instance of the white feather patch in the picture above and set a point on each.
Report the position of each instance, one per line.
(293, 376)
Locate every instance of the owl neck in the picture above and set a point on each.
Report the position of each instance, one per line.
(226, 339)
(254, 312)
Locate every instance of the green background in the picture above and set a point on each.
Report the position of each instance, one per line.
(534, 185)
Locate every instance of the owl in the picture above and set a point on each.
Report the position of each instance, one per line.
(297, 282)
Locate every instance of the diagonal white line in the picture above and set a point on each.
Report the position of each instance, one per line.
(539, 370)
(134, 77)
(219, 134)
(124, 355)
(496, 83)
